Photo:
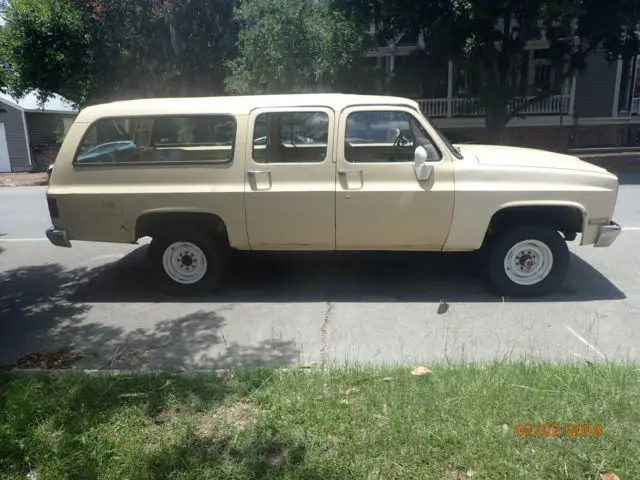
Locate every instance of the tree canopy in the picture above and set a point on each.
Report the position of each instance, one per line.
(101, 50)
(493, 35)
(46, 45)
(296, 46)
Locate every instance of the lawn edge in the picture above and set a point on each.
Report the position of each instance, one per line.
(115, 372)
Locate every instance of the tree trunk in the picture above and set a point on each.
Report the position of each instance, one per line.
(495, 121)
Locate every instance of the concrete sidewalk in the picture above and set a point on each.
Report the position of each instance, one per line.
(25, 179)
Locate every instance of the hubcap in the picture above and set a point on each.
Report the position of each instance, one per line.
(528, 262)
(184, 263)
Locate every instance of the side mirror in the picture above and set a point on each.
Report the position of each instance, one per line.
(422, 168)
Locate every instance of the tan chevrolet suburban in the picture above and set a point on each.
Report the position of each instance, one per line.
(201, 176)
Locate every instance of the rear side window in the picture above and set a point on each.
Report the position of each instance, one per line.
(164, 139)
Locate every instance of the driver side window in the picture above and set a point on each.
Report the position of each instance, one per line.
(385, 136)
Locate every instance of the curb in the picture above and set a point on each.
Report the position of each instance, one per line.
(615, 166)
(32, 184)
(601, 150)
(116, 372)
(612, 155)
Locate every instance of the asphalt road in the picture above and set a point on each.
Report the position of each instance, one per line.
(291, 309)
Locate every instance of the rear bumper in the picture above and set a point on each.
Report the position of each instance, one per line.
(607, 234)
(58, 237)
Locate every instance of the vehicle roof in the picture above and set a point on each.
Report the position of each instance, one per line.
(235, 104)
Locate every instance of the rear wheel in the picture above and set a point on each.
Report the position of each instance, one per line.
(528, 261)
(187, 262)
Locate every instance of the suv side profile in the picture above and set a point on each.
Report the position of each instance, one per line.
(201, 176)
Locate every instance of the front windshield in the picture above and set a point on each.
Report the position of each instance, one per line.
(456, 153)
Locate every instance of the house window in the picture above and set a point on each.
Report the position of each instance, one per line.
(408, 40)
(636, 91)
(626, 85)
(418, 76)
(541, 69)
(406, 77)
(542, 77)
(67, 122)
(375, 73)
(466, 79)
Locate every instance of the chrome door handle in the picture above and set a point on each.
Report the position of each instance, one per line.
(258, 172)
(345, 172)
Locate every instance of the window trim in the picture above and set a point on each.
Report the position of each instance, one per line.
(387, 108)
(256, 113)
(231, 158)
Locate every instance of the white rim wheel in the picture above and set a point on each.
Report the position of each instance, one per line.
(184, 263)
(528, 262)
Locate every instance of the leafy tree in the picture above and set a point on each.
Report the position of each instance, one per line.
(297, 46)
(164, 47)
(46, 45)
(101, 50)
(491, 36)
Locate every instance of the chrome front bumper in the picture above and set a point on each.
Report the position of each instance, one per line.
(59, 238)
(607, 234)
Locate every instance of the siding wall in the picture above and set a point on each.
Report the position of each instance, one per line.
(595, 87)
(45, 127)
(16, 142)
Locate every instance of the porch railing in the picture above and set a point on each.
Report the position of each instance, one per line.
(462, 107)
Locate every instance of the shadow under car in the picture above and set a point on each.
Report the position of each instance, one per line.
(338, 277)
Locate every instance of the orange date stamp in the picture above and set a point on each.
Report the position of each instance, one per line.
(558, 430)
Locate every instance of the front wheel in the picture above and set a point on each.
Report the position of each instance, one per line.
(528, 261)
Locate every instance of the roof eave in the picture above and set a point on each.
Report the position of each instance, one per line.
(12, 104)
(64, 112)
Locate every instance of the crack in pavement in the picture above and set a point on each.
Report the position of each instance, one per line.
(323, 330)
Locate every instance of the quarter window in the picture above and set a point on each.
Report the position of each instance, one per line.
(290, 137)
(385, 136)
(208, 138)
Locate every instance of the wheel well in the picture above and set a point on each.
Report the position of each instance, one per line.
(567, 220)
(151, 224)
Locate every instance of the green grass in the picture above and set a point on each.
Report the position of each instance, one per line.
(270, 424)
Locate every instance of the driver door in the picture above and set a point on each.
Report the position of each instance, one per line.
(380, 204)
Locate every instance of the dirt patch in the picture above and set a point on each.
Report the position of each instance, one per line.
(168, 416)
(236, 414)
(278, 458)
(60, 359)
(23, 179)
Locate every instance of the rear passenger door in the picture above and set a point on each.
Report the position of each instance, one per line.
(290, 179)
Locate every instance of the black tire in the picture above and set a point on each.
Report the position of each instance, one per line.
(214, 250)
(506, 239)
